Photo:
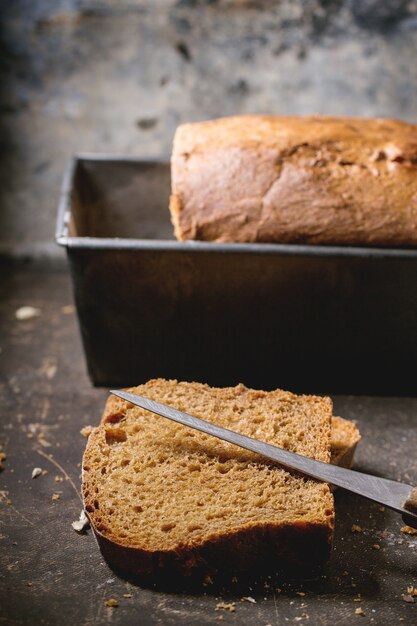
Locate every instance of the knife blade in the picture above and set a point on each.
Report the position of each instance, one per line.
(395, 495)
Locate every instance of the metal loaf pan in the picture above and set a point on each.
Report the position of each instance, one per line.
(306, 318)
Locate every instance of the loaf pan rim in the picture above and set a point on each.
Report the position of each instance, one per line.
(65, 240)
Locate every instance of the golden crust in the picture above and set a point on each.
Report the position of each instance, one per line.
(315, 180)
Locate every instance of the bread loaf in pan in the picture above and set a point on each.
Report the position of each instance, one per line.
(305, 180)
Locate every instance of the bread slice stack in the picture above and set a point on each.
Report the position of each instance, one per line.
(164, 499)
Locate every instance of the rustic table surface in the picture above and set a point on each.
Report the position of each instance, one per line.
(49, 574)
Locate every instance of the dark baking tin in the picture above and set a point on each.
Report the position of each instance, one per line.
(308, 318)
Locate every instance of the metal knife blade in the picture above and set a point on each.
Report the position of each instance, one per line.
(394, 495)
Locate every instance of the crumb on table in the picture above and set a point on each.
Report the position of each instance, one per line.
(224, 606)
(408, 598)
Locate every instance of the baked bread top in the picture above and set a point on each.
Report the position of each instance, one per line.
(314, 179)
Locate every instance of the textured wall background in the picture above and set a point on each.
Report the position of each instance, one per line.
(99, 75)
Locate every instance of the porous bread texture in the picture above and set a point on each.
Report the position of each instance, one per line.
(160, 495)
(345, 436)
(288, 179)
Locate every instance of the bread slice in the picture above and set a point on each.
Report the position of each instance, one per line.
(163, 498)
(345, 436)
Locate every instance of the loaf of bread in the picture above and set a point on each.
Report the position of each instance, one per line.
(164, 499)
(306, 180)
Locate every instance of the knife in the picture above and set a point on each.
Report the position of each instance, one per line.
(394, 495)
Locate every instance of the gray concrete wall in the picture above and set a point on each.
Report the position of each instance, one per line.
(106, 76)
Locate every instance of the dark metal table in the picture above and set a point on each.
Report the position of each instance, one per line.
(52, 575)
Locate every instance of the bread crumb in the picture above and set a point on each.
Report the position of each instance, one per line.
(36, 472)
(82, 523)
(376, 546)
(220, 618)
(125, 595)
(359, 611)
(207, 581)
(248, 599)
(382, 509)
(112, 602)
(234, 579)
(41, 439)
(356, 529)
(58, 479)
(358, 599)
(86, 431)
(300, 593)
(408, 598)
(55, 496)
(408, 530)
(26, 313)
(50, 371)
(3, 457)
(412, 591)
(67, 309)
(223, 606)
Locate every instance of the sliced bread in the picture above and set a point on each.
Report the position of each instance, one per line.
(345, 436)
(163, 498)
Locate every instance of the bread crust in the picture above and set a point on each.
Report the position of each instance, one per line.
(297, 547)
(305, 180)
